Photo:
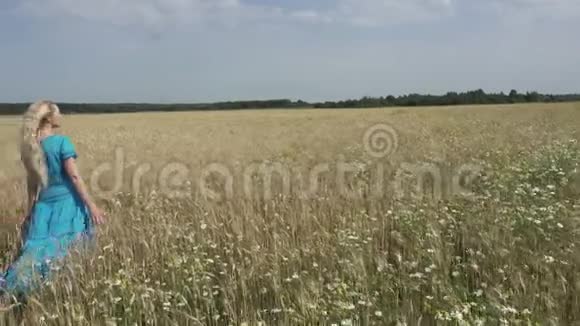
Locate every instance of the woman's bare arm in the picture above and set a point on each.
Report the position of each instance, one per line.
(72, 171)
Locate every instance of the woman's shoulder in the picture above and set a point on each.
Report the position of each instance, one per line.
(65, 137)
(54, 137)
(61, 138)
(57, 141)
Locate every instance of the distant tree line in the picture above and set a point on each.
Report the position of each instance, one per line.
(451, 98)
(19, 108)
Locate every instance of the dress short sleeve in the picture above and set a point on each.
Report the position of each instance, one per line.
(67, 149)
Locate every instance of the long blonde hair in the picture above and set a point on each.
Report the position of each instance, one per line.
(31, 153)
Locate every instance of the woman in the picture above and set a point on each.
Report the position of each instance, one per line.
(60, 212)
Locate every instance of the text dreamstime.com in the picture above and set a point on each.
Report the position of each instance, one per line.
(350, 180)
(218, 181)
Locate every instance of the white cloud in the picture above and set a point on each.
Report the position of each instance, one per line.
(128, 12)
(535, 9)
(161, 12)
(311, 16)
(380, 12)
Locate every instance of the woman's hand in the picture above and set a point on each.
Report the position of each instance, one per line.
(97, 214)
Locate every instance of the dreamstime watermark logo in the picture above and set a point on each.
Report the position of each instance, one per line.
(381, 140)
(435, 180)
(268, 179)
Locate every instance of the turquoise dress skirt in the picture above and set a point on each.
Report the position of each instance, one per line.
(59, 222)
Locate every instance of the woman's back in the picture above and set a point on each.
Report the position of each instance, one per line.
(57, 149)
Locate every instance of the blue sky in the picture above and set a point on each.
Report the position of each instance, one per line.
(213, 50)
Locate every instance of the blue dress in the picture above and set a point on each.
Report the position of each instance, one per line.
(58, 221)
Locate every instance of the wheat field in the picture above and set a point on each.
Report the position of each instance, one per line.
(257, 252)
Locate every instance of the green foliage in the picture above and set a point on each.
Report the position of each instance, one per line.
(19, 108)
(451, 98)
